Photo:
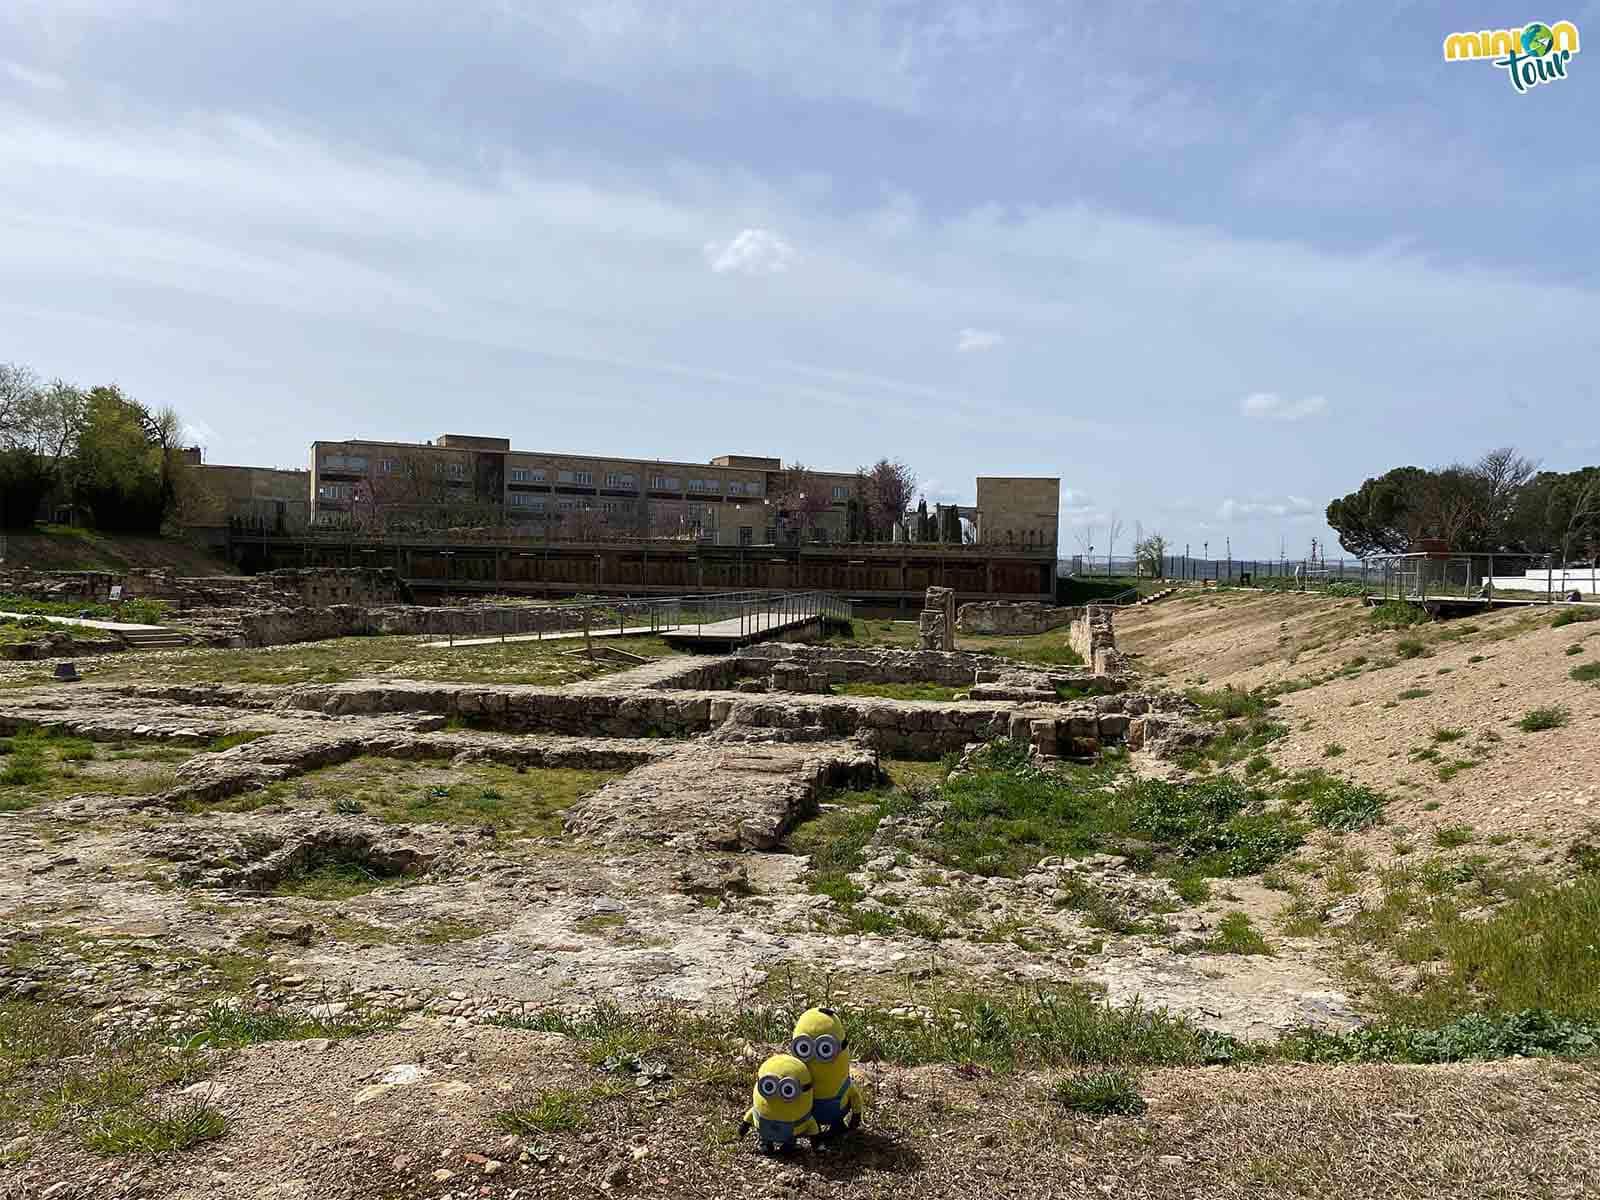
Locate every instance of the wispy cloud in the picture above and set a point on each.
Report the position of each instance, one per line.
(1270, 406)
(45, 81)
(751, 252)
(969, 341)
(1255, 510)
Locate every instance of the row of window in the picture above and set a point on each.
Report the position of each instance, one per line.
(618, 480)
(564, 504)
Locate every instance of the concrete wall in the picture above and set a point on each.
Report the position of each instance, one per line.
(275, 500)
(1018, 511)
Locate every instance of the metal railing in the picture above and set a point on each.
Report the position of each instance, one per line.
(744, 614)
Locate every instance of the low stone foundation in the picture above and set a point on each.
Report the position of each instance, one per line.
(1013, 618)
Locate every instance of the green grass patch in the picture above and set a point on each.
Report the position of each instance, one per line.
(1588, 673)
(1574, 616)
(1413, 693)
(1397, 614)
(559, 1110)
(1100, 1094)
(525, 802)
(899, 691)
(1236, 935)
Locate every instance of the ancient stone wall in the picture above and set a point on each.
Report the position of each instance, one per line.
(936, 626)
(1092, 635)
(1015, 618)
(314, 587)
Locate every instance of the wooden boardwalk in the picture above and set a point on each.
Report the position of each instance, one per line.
(753, 626)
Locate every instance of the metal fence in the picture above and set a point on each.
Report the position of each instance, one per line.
(1244, 572)
(1535, 578)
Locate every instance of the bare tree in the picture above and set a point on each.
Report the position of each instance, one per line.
(1502, 473)
(1085, 536)
(1113, 532)
(1585, 509)
(887, 489)
(801, 498)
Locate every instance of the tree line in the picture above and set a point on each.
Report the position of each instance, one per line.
(118, 461)
(1502, 503)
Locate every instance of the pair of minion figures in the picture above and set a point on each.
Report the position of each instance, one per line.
(807, 1092)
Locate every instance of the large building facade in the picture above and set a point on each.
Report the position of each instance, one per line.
(732, 500)
(467, 481)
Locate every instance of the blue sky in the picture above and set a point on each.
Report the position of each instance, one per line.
(1212, 265)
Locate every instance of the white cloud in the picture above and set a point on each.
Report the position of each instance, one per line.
(751, 252)
(1075, 501)
(1255, 510)
(977, 339)
(43, 80)
(198, 433)
(1270, 406)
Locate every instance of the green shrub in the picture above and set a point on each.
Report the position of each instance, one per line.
(1397, 614)
(1449, 837)
(1530, 1032)
(1335, 803)
(1410, 648)
(1588, 673)
(1549, 717)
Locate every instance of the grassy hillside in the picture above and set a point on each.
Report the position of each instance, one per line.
(59, 548)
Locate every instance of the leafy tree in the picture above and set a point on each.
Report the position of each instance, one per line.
(1381, 515)
(38, 426)
(1150, 554)
(125, 463)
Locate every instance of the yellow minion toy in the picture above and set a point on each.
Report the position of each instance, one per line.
(780, 1105)
(819, 1042)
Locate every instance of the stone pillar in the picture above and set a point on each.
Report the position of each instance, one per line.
(936, 628)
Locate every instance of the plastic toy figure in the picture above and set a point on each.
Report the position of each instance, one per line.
(820, 1043)
(780, 1104)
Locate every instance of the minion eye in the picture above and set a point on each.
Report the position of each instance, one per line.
(826, 1048)
(802, 1047)
(789, 1089)
(768, 1086)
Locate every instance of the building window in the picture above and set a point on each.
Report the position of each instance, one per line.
(619, 479)
(841, 492)
(334, 491)
(388, 465)
(527, 475)
(704, 485)
(747, 535)
(523, 500)
(575, 477)
(344, 462)
(772, 535)
(664, 483)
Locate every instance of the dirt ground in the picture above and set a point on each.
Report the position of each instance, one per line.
(412, 1113)
(455, 877)
(1474, 678)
